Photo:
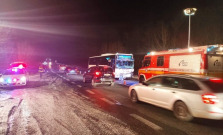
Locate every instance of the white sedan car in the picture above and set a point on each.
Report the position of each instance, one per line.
(13, 77)
(187, 96)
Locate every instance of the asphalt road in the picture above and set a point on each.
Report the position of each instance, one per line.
(57, 104)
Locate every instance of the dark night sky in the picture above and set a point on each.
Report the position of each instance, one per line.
(69, 29)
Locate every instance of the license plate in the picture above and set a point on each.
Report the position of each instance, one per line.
(107, 75)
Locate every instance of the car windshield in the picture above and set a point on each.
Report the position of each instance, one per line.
(124, 64)
(15, 72)
(214, 86)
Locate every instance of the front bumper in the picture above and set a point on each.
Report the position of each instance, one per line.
(12, 84)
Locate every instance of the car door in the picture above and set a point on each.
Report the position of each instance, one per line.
(146, 91)
(166, 91)
(88, 75)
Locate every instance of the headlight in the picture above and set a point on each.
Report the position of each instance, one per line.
(23, 79)
(1, 80)
(9, 80)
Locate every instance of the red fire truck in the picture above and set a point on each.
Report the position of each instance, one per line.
(202, 60)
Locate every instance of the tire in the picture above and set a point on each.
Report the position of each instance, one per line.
(181, 111)
(134, 97)
(141, 79)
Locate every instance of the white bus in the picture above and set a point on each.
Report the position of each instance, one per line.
(122, 64)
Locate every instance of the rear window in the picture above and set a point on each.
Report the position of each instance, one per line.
(214, 86)
(104, 69)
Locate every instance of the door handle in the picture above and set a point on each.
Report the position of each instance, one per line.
(173, 92)
(153, 89)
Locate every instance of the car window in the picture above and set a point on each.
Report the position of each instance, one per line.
(160, 61)
(214, 86)
(154, 81)
(188, 84)
(147, 62)
(171, 82)
(90, 70)
(108, 69)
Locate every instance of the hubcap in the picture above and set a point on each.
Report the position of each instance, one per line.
(181, 111)
(133, 96)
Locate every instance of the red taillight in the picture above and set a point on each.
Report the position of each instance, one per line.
(210, 99)
(113, 73)
(97, 73)
(216, 80)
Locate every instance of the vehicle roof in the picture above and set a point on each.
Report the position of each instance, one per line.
(110, 54)
(102, 66)
(199, 77)
(184, 50)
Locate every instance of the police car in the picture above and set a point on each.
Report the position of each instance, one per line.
(13, 77)
(16, 75)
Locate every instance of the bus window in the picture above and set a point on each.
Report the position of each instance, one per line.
(92, 61)
(160, 61)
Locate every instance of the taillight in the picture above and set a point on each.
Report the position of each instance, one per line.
(216, 80)
(210, 99)
(113, 73)
(97, 73)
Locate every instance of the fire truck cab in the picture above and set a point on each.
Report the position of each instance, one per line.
(202, 60)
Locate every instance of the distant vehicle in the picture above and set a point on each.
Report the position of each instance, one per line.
(187, 96)
(72, 70)
(14, 77)
(122, 64)
(99, 75)
(62, 68)
(202, 60)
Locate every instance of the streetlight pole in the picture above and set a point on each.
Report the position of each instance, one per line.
(189, 33)
(189, 12)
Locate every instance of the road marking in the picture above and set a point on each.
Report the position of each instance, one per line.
(79, 86)
(85, 96)
(107, 101)
(148, 123)
(117, 103)
(91, 92)
(73, 82)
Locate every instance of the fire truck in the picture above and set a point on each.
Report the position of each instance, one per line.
(201, 60)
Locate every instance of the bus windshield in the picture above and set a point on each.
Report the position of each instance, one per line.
(124, 64)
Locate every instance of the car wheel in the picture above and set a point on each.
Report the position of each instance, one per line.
(134, 97)
(181, 111)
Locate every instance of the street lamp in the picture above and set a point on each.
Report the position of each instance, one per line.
(189, 12)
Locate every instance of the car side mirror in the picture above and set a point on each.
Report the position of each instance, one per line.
(144, 83)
